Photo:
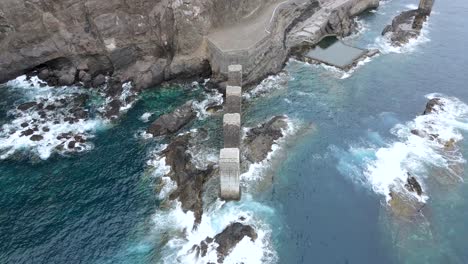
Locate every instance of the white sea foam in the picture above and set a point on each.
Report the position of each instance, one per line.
(273, 82)
(146, 116)
(384, 168)
(212, 99)
(48, 125)
(384, 44)
(217, 216)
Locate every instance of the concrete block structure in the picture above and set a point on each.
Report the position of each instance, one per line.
(232, 130)
(235, 75)
(229, 168)
(233, 99)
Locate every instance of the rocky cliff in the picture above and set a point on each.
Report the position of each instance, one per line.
(146, 41)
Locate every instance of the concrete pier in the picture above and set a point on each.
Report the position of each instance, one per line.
(426, 6)
(235, 75)
(233, 99)
(229, 168)
(232, 130)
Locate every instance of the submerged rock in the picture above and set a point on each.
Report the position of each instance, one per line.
(259, 140)
(26, 106)
(226, 240)
(172, 122)
(404, 205)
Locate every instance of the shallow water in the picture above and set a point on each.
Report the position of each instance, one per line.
(313, 204)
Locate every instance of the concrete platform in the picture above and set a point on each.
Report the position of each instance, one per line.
(229, 168)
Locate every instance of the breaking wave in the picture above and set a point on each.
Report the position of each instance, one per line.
(425, 147)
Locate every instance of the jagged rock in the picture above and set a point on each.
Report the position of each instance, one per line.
(433, 105)
(189, 179)
(113, 108)
(172, 122)
(226, 240)
(259, 140)
(413, 185)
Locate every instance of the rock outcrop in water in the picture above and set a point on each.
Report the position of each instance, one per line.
(146, 41)
(190, 180)
(172, 122)
(408, 24)
(259, 140)
(226, 240)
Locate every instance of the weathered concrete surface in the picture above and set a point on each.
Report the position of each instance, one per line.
(425, 6)
(229, 169)
(233, 99)
(232, 130)
(235, 75)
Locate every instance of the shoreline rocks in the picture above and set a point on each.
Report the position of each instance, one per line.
(172, 122)
(259, 140)
(190, 180)
(159, 41)
(408, 24)
(226, 240)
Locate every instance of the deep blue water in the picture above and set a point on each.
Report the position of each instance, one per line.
(98, 207)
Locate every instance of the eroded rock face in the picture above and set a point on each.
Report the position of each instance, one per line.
(259, 140)
(189, 179)
(172, 122)
(433, 105)
(226, 240)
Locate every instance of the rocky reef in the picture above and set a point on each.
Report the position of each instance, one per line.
(148, 42)
(226, 240)
(408, 24)
(259, 140)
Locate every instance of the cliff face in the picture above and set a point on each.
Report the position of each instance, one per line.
(147, 41)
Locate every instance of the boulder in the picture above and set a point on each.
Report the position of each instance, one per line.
(36, 138)
(413, 185)
(259, 140)
(99, 80)
(26, 106)
(172, 122)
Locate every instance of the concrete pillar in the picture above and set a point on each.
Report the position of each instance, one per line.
(426, 6)
(233, 99)
(235, 75)
(232, 130)
(229, 169)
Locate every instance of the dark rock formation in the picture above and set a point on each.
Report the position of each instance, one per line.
(189, 179)
(408, 24)
(259, 140)
(413, 185)
(433, 105)
(172, 122)
(226, 240)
